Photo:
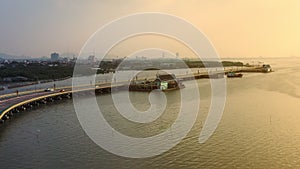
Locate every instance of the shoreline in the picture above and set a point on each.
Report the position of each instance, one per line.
(22, 84)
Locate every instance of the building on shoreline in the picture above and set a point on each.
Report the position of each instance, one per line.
(54, 57)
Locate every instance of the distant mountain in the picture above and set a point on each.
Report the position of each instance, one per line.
(12, 57)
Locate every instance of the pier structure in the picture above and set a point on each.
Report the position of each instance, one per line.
(11, 104)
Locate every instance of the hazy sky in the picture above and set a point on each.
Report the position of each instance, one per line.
(243, 28)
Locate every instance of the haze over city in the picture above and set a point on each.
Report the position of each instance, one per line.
(248, 28)
(149, 84)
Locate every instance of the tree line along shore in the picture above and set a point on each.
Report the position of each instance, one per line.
(20, 72)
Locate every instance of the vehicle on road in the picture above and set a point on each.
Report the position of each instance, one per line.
(49, 90)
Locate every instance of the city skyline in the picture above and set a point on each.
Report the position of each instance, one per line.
(236, 28)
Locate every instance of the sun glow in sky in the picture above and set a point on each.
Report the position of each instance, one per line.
(237, 28)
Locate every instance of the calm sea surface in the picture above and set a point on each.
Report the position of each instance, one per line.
(260, 128)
